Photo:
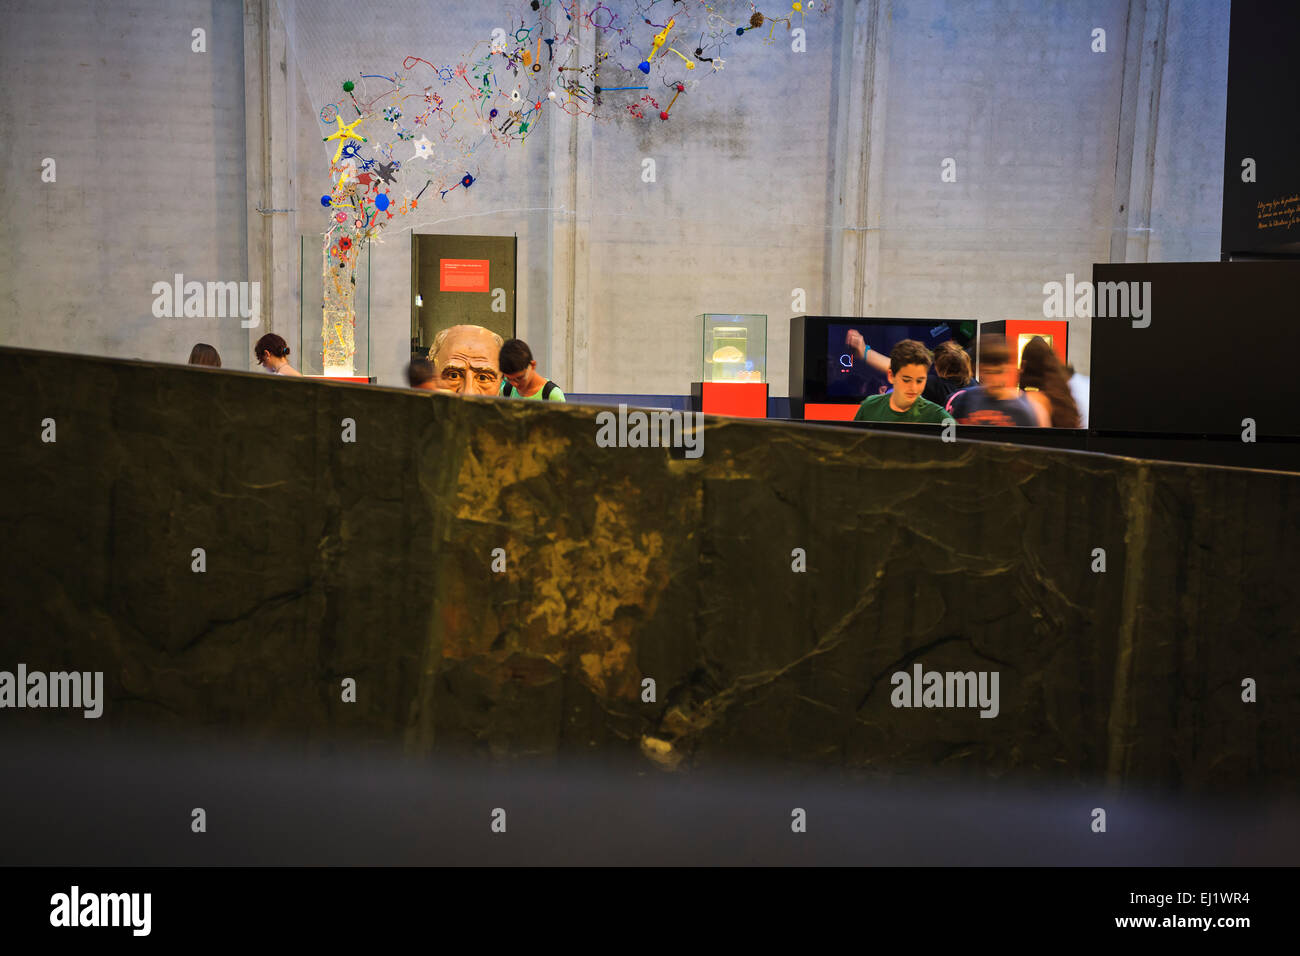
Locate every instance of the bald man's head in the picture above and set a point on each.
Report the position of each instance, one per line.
(466, 360)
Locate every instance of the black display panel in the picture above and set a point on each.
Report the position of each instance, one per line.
(1214, 351)
(1263, 125)
(824, 369)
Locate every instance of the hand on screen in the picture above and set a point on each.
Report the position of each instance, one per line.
(856, 343)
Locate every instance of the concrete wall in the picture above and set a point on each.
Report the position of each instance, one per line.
(1011, 92)
(148, 142)
(818, 171)
(1187, 187)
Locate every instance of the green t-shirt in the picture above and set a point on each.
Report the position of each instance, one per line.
(509, 391)
(876, 409)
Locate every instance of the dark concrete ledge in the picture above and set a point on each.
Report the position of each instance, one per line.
(373, 560)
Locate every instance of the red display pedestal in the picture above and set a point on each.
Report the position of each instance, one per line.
(829, 412)
(737, 399)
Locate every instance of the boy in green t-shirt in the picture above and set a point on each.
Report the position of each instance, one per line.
(519, 370)
(909, 363)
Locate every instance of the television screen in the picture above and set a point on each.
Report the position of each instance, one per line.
(848, 373)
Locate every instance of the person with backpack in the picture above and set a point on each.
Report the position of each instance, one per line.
(521, 380)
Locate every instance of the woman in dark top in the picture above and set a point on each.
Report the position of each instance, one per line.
(951, 373)
(1046, 386)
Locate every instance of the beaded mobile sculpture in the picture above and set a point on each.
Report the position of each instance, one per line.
(414, 133)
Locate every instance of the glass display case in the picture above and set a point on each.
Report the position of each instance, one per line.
(340, 331)
(734, 348)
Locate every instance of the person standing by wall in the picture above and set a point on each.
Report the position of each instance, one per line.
(204, 354)
(1046, 385)
(272, 353)
(951, 373)
(419, 374)
(521, 378)
(999, 400)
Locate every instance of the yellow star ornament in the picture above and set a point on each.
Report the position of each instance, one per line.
(344, 134)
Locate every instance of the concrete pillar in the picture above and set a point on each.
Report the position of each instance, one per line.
(270, 99)
(861, 92)
(1135, 161)
(569, 146)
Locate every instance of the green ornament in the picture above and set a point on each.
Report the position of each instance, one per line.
(348, 86)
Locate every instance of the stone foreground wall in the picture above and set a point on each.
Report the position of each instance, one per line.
(373, 560)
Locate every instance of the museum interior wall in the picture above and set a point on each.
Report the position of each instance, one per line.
(818, 170)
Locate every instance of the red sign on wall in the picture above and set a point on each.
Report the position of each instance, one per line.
(463, 275)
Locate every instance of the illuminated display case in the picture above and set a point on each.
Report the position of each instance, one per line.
(1018, 333)
(349, 345)
(734, 348)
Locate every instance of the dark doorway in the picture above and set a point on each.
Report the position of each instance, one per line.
(459, 280)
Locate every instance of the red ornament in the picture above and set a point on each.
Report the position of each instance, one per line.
(663, 115)
(345, 243)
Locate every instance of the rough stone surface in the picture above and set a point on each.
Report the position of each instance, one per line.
(373, 560)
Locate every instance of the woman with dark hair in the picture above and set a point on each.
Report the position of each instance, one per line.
(951, 373)
(1043, 378)
(205, 354)
(272, 352)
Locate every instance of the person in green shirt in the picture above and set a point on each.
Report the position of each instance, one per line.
(909, 363)
(520, 373)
